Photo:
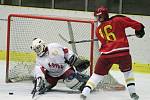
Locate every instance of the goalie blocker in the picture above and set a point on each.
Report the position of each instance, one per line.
(79, 63)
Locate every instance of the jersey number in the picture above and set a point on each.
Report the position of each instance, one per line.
(109, 36)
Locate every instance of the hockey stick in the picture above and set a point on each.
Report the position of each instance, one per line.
(131, 35)
(70, 42)
(34, 90)
(64, 91)
(82, 41)
(35, 93)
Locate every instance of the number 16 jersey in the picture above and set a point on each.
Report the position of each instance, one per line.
(112, 35)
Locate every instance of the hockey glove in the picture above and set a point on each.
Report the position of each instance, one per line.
(81, 64)
(140, 33)
(72, 60)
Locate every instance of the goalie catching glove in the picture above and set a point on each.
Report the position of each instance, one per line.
(79, 63)
(140, 33)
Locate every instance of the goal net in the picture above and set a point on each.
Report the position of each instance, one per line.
(22, 28)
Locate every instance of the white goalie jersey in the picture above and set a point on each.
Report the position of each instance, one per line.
(53, 61)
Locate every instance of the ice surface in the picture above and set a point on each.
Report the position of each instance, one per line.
(22, 90)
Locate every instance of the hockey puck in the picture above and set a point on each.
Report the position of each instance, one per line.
(11, 93)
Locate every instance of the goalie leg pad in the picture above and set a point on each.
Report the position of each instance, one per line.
(76, 81)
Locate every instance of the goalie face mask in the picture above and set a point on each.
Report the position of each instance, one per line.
(38, 46)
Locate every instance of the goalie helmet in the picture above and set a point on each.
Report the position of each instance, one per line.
(38, 46)
(102, 13)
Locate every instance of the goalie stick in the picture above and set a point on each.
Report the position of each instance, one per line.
(64, 91)
(34, 91)
(82, 41)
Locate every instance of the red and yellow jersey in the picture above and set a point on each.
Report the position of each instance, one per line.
(112, 34)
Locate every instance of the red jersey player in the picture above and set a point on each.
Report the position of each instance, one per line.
(114, 49)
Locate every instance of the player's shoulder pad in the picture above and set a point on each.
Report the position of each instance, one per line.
(116, 16)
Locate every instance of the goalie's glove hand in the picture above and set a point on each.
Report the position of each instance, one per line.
(82, 65)
(140, 33)
(72, 60)
(39, 85)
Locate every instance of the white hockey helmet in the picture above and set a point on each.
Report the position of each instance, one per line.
(38, 46)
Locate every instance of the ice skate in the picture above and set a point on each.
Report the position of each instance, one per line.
(82, 97)
(134, 96)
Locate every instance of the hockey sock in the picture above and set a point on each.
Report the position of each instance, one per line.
(130, 81)
(92, 83)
